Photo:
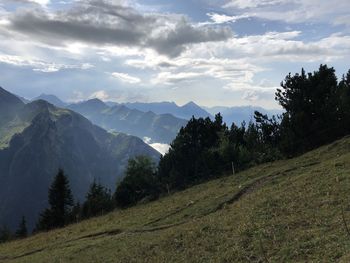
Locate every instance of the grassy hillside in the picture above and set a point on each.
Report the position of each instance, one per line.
(286, 211)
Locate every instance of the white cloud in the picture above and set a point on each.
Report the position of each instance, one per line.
(242, 4)
(161, 147)
(147, 140)
(100, 94)
(41, 2)
(39, 65)
(170, 78)
(217, 19)
(124, 77)
(111, 24)
(234, 64)
(242, 86)
(171, 50)
(293, 11)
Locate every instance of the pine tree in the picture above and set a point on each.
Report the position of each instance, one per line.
(22, 231)
(5, 234)
(60, 202)
(139, 182)
(75, 215)
(98, 201)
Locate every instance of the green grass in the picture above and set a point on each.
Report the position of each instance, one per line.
(286, 211)
(9, 129)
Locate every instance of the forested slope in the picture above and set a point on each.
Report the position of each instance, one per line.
(287, 211)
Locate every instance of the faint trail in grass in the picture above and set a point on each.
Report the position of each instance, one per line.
(23, 255)
(179, 210)
(258, 183)
(253, 186)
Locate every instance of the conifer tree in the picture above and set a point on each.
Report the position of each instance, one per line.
(60, 203)
(22, 231)
(140, 182)
(5, 234)
(98, 201)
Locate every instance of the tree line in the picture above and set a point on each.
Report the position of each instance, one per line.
(316, 111)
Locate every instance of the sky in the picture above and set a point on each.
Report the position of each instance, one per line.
(212, 52)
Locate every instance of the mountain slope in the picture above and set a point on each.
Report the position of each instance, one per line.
(51, 99)
(9, 104)
(50, 138)
(161, 128)
(286, 211)
(9, 124)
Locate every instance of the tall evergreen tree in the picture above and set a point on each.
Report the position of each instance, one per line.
(5, 234)
(98, 201)
(344, 104)
(60, 203)
(311, 110)
(140, 182)
(194, 155)
(22, 231)
(76, 213)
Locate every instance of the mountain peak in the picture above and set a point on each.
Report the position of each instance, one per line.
(7, 97)
(8, 104)
(96, 103)
(53, 99)
(95, 100)
(190, 104)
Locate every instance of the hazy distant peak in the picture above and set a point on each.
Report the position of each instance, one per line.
(51, 99)
(191, 104)
(95, 101)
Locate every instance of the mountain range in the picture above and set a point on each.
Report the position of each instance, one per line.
(239, 114)
(185, 112)
(38, 138)
(54, 100)
(157, 128)
(158, 122)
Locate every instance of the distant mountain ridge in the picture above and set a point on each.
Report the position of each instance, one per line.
(185, 112)
(160, 128)
(38, 139)
(54, 100)
(238, 114)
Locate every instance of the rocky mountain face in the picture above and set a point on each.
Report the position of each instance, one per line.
(42, 138)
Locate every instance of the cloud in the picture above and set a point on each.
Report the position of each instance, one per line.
(278, 46)
(251, 95)
(161, 147)
(112, 24)
(126, 78)
(251, 92)
(222, 18)
(171, 78)
(242, 4)
(100, 94)
(293, 11)
(39, 2)
(39, 65)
